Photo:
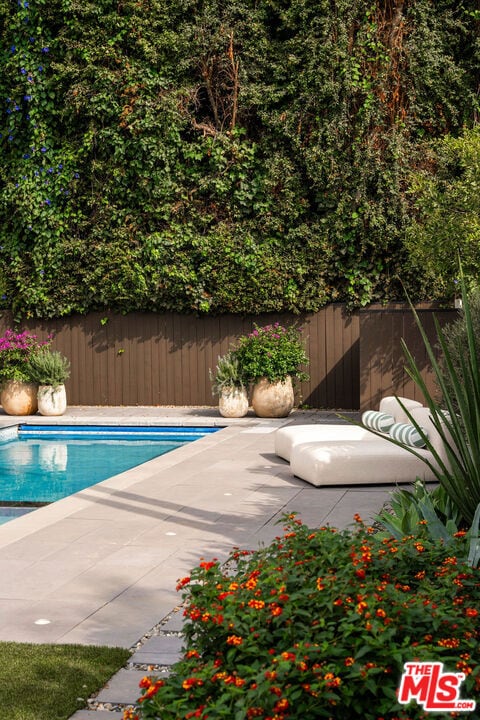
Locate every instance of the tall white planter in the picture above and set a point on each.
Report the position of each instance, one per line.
(52, 400)
(233, 403)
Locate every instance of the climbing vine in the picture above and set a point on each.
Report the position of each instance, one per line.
(221, 156)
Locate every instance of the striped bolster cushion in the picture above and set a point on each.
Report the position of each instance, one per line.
(407, 435)
(377, 420)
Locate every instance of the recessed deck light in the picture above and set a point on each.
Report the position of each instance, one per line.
(42, 621)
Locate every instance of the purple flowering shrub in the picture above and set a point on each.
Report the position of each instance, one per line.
(15, 352)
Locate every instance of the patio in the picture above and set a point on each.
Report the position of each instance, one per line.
(101, 566)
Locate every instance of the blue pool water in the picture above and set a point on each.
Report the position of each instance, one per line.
(43, 464)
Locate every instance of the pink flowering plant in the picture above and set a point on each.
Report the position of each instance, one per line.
(273, 352)
(16, 349)
(319, 624)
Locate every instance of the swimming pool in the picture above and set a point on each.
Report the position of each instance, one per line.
(40, 464)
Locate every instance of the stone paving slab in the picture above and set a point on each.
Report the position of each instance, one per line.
(159, 650)
(123, 687)
(98, 715)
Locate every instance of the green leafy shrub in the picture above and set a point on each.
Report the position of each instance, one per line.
(48, 367)
(223, 156)
(447, 202)
(319, 624)
(273, 352)
(456, 342)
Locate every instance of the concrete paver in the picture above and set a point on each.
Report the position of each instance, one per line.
(101, 566)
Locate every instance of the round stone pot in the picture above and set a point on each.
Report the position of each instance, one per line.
(273, 400)
(233, 402)
(52, 400)
(19, 398)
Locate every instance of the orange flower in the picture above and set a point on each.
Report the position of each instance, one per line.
(208, 565)
(234, 640)
(471, 612)
(449, 642)
(256, 604)
(181, 583)
(320, 585)
(192, 654)
(191, 682)
(281, 705)
(348, 661)
(381, 613)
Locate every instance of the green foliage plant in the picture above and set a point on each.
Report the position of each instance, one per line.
(318, 624)
(447, 213)
(456, 339)
(16, 349)
(223, 156)
(420, 512)
(227, 374)
(457, 419)
(48, 367)
(273, 352)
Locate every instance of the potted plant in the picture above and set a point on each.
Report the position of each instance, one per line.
(18, 389)
(270, 358)
(49, 369)
(228, 384)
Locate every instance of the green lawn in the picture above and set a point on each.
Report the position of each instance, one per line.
(46, 682)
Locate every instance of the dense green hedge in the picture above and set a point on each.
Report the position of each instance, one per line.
(219, 156)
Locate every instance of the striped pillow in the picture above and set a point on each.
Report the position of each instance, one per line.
(377, 420)
(407, 435)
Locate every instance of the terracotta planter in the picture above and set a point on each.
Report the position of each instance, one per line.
(19, 398)
(233, 403)
(273, 400)
(52, 400)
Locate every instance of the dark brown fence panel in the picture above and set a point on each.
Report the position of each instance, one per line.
(164, 359)
(382, 361)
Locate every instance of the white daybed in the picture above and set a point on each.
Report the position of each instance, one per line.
(352, 455)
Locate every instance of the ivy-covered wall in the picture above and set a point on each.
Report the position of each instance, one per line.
(220, 156)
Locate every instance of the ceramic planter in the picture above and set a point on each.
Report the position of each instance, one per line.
(233, 402)
(52, 400)
(273, 400)
(19, 398)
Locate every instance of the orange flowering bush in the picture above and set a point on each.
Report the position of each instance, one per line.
(319, 624)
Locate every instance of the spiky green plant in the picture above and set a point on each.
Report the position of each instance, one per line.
(48, 367)
(458, 421)
(228, 374)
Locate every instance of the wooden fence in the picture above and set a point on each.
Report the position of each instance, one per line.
(164, 359)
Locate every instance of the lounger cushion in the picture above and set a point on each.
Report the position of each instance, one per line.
(391, 406)
(378, 420)
(290, 436)
(407, 435)
(358, 463)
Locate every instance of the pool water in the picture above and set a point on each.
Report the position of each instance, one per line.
(43, 464)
